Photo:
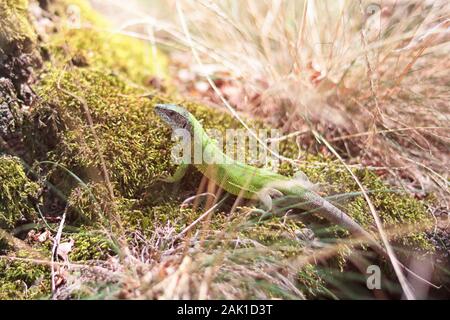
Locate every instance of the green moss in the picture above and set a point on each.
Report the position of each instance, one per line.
(311, 283)
(115, 53)
(396, 208)
(145, 215)
(147, 220)
(15, 29)
(16, 193)
(21, 279)
(90, 246)
(97, 45)
(274, 232)
(133, 142)
(85, 203)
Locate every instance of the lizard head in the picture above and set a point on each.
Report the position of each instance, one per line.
(175, 116)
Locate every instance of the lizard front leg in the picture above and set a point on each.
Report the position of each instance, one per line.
(178, 174)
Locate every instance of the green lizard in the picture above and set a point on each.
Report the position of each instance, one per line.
(250, 182)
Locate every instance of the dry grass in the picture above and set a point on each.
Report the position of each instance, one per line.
(211, 264)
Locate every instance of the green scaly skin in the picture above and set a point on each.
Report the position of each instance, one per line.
(254, 183)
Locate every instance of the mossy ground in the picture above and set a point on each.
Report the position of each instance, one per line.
(15, 28)
(17, 194)
(395, 207)
(95, 75)
(23, 279)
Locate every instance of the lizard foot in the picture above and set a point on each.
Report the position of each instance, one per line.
(304, 181)
(266, 196)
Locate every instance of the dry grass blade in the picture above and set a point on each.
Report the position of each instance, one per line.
(56, 242)
(401, 277)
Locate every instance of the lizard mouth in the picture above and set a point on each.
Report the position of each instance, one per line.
(177, 119)
(160, 112)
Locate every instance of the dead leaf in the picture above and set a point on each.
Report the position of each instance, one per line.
(44, 236)
(64, 249)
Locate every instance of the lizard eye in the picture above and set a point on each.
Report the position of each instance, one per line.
(372, 9)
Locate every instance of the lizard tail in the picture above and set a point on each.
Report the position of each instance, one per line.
(315, 203)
